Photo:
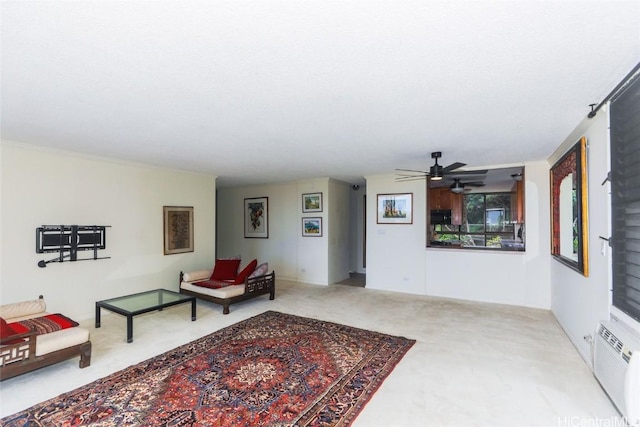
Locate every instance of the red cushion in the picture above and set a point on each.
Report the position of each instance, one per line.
(242, 276)
(7, 331)
(225, 269)
(213, 284)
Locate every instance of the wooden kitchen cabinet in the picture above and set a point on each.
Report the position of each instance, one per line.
(443, 198)
(439, 199)
(517, 202)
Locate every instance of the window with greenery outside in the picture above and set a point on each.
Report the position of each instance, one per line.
(486, 222)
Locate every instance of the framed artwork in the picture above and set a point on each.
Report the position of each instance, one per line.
(312, 227)
(395, 208)
(256, 218)
(312, 202)
(569, 211)
(178, 229)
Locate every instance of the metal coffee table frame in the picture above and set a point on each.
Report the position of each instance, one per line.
(143, 302)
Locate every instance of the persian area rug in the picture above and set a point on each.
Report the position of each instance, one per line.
(273, 369)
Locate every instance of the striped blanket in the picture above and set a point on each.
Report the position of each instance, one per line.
(44, 325)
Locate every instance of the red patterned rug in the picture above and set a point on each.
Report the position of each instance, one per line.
(273, 369)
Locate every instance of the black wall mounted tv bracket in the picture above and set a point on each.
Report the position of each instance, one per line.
(67, 240)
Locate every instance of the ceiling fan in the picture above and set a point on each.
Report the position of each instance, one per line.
(436, 172)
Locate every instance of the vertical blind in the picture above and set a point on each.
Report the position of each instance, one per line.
(625, 198)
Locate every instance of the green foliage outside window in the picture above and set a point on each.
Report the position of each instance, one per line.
(486, 220)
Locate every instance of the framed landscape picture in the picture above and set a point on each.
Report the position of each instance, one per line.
(256, 218)
(312, 202)
(178, 229)
(395, 208)
(312, 227)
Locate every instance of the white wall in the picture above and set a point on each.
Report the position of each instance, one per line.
(579, 302)
(396, 252)
(281, 247)
(316, 260)
(397, 258)
(312, 253)
(292, 256)
(41, 186)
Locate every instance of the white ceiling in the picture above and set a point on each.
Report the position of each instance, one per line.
(268, 91)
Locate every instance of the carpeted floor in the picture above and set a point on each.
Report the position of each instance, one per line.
(272, 369)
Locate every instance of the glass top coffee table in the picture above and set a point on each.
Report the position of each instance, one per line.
(143, 302)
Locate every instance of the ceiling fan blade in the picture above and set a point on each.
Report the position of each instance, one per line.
(411, 170)
(411, 173)
(474, 183)
(437, 172)
(402, 177)
(466, 174)
(410, 178)
(453, 166)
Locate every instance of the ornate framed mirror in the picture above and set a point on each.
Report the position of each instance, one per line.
(569, 213)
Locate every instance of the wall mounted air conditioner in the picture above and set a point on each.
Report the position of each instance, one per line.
(616, 365)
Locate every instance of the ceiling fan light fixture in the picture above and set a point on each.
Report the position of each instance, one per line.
(435, 172)
(457, 187)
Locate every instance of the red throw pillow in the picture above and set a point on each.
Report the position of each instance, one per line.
(7, 331)
(246, 272)
(225, 269)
